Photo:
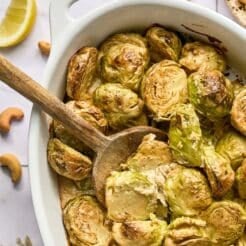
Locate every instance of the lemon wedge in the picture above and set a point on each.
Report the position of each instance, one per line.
(17, 22)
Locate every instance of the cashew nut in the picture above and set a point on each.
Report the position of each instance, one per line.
(7, 116)
(13, 164)
(44, 47)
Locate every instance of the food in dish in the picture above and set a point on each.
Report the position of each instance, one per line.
(188, 190)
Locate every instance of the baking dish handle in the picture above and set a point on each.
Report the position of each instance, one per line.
(59, 17)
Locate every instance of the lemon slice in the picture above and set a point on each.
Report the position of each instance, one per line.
(18, 22)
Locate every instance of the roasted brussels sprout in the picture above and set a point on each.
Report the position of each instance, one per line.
(118, 103)
(163, 44)
(164, 86)
(185, 136)
(233, 147)
(237, 86)
(242, 240)
(238, 112)
(123, 58)
(67, 190)
(185, 231)
(84, 220)
(86, 186)
(81, 73)
(200, 56)
(225, 222)
(66, 161)
(218, 170)
(150, 154)
(129, 196)
(88, 112)
(241, 180)
(187, 192)
(142, 233)
(211, 93)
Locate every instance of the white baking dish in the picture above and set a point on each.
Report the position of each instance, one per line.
(69, 35)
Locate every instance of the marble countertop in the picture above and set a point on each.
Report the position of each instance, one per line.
(17, 219)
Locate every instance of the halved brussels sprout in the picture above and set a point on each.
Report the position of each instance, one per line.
(84, 221)
(185, 231)
(185, 136)
(150, 154)
(119, 104)
(233, 147)
(66, 161)
(225, 222)
(129, 196)
(88, 112)
(81, 73)
(212, 132)
(86, 186)
(141, 233)
(211, 93)
(187, 192)
(242, 240)
(218, 170)
(123, 58)
(241, 180)
(163, 44)
(238, 112)
(67, 190)
(201, 56)
(164, 86)
(237, 86)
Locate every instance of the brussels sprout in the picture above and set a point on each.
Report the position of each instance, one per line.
(238, 112)
(66, 161)
(84, 221)
(242, 240)
(225, 222)
(67, 190)
(185, 231)
(187, 192)
(158, 177)
(200, 56)
(141, 120)
(85, 186)
(163, 44)
(129, 196)
(150, 154)
(141, 233)
(164, 86)
(211, 93)
(119, 104)
(185, 136)
(123, 58)
(88, 112)
(237, 86)
(241, 180)
(233, 147)
(218, 170)
(81, 73)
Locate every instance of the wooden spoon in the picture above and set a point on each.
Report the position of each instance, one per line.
(111, 150)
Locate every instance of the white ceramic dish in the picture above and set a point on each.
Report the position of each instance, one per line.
(69, 35)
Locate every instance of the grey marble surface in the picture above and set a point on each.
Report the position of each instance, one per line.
(17, 219)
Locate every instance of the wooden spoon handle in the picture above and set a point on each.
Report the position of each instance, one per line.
(30, 89)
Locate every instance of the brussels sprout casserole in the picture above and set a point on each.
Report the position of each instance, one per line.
(187, 191)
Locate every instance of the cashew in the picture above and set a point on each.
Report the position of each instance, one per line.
(44, 47)
(13, 164)
(7, 116)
